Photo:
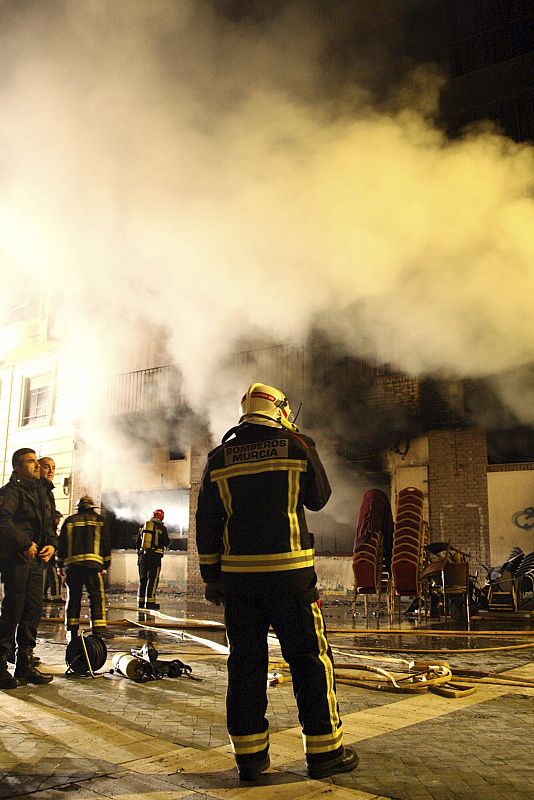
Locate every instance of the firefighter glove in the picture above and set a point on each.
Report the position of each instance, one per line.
(213, 593)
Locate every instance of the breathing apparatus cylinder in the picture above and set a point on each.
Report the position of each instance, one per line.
(129, 666)
(146, 543)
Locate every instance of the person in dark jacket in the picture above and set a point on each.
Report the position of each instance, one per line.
(256, 555)
(152, 540)
(27, 542)
(52, 580)
(84, 553)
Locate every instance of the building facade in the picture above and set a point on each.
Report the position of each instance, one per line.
(34, 408)
(385, 428)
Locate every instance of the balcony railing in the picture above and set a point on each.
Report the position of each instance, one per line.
(297, 369)
(284, 366)
(145, 390)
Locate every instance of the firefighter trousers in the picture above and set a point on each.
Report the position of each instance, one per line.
(149, 571)
(22, 604)
(297, 621)
(76, 578)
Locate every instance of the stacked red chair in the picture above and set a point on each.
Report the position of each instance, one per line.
(373, 538)
(409, 540)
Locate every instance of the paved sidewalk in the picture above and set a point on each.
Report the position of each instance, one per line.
(109, 737)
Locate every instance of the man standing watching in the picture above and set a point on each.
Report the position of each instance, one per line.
(27, 543)
(256, 555)
(52, 582)
(152, 540)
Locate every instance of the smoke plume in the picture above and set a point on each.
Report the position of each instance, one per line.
(178, 174)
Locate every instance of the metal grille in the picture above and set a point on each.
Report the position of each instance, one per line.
(278, 365)
(145, 390)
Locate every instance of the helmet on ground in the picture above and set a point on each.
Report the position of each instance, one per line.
(265, 405)
(86, 502)
(158, 514)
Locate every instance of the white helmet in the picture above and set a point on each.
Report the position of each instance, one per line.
(265, 405)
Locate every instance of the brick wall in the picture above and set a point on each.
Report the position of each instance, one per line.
(195, 584)
(86, 476)
(458, 491)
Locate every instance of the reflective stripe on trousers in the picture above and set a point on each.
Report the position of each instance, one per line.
(298, 622)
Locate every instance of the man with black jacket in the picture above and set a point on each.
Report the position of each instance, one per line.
(84, 553)
(27, 542)
(52, 581)
(256, 555)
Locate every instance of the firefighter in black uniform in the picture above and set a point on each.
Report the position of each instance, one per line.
(152, 540)
(52, 581)
(256, 555)
(27, 542)
(84, 553)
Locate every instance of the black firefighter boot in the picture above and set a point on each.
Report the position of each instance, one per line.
(346, 762)
(7, 681)
(26, 672)
(11, 657)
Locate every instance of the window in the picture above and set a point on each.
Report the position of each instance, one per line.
(37, 400)
(176, 455)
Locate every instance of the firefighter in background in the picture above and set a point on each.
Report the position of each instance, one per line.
(152, 540)
(256, 556)
(84, 554)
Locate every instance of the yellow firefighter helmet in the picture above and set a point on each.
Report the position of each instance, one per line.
(265, 405)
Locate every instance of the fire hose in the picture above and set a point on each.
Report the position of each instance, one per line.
(420, 678)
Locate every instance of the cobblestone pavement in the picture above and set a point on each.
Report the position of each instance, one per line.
(108, 737)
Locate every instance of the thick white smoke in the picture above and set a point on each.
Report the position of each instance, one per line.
(171, 172)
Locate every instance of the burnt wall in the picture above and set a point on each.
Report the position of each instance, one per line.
(195, 584)
(458, 492)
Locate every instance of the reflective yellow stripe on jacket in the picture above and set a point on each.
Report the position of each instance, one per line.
(84, 557)
(295, 557)
(72, 558)
(209, 558)
(267, 562)
(269, 465)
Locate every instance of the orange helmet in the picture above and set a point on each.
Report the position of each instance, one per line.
(158, 514)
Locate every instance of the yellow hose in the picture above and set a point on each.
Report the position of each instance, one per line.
(425, 632)
(400, 649)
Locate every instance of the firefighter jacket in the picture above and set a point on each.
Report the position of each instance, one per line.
(25, 517)
(251, 527)
(84, 541)
(152, 538)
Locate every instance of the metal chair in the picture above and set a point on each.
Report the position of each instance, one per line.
(450, 578)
